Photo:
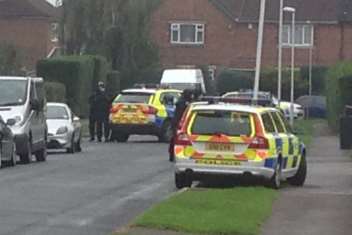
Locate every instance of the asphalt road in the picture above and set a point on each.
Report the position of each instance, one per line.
(93, 192)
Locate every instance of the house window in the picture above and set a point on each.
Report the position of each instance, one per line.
(187, 33)
(54, 33)
(303, 35)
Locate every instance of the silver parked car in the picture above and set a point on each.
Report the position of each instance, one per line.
(23, 105)
(8, 155)
(64, 128)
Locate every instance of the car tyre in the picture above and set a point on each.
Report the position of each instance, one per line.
(72, 148)
(166, 132)
(275, 180)
(182, 181)
(13, 160)
(41, 155)
(122, 138)
(300, 177)
(26, 158)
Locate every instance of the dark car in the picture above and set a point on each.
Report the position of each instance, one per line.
(314, 106)
(7, 144)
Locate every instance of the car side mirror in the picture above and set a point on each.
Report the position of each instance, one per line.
(35, 104)
(11, 122)
(76, 119)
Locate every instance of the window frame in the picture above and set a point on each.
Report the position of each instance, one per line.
(287, 29)
(272, 120)
(177, 27)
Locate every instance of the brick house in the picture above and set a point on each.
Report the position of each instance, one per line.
(224, 32)
(28, 25)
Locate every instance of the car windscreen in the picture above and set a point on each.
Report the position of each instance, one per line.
(221, 122)
(13, 92)
(183, 86)
(57, 112)
(138, 98)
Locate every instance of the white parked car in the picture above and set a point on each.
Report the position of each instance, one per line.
(298, 111)
(64, 128)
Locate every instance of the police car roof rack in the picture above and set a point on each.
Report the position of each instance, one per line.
(238, 100)
(146, 86)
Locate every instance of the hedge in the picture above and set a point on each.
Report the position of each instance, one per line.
(338, 87)
(318, 78)
(232, 80)
(55, 92)
(113, 84)
(79, 74)
(269, 82)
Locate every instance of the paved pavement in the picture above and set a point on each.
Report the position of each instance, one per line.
(324, 205)
(94, 192)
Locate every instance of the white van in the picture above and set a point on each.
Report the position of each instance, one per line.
(23, 104)
(182, 79)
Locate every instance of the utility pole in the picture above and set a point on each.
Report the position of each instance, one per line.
(259, 50)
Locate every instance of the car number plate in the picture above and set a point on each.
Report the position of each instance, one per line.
(218, 162)
(220, 147)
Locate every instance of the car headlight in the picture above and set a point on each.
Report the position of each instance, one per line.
(62, 130)
(17, 120)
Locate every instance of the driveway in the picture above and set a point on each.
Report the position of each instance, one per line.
(324, 205)
(90, 193)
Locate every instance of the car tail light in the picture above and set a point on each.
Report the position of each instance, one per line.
(183, 139)
(259, 142)
(115, 108)
(149, 110)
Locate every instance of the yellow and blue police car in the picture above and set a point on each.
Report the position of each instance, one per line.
(224, 138)
(143, 111)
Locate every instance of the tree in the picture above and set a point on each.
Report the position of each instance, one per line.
(116, 29)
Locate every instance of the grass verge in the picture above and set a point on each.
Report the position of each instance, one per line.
(239, 211)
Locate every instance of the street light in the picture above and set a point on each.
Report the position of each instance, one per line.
(279, 79)
(293, 42)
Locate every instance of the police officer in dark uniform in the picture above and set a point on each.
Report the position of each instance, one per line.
(99, 113)
(181, 106)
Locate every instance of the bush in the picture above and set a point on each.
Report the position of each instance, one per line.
(337, 89)
(318, 78)
(76, 73)
(55, 92)
(232, 80)
(113, 85)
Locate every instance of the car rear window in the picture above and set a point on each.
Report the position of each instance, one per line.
(222, 122)
(139, 98)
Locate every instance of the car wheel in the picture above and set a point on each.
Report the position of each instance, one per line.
(41, 155)
(122, 138)
(182, 180)
(300, 177)
(72, 148)
(166, 132)
(78, 145)
(26, 158)
(275, 180)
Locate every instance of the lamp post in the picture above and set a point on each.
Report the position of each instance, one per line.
(259, 50)
(279, 65)
(293, 42)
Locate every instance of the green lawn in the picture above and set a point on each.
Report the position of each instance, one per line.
(239, 211)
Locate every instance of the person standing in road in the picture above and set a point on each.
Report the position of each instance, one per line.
(181, 106)
(99, 114)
